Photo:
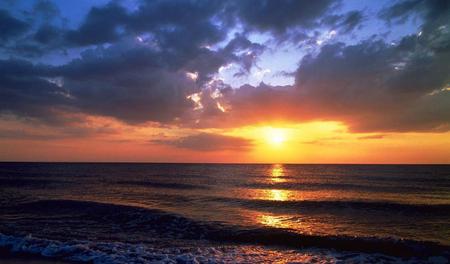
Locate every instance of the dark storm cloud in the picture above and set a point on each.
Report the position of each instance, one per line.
(130, 86)
(371, 86)
(436, 20)
(100, 26)
(177, 25)
(173, 22)
(127, 81)
(209, 142)
(10, 26)
(351, 20)
(37, 32)
(46, 9)
(133, 80)
(279, 16)
(402, 10)
(178, 31)
(46, 34)
(152, 95)
(180, 27)
(249, 52)
(152, 14)
(136, 83)
(345, 22)
(25, 91)
(135, 66)
(434, 13)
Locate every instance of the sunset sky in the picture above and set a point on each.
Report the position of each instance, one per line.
(320, 81)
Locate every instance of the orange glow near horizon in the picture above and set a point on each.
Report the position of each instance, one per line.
(311, 142)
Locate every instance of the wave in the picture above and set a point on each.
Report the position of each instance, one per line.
(369, 186)
(164, 185)
(124, 253)
(36, 183)
(162, 224)
(333, 205)
(91, 252)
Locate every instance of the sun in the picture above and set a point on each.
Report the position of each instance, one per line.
(275, 136)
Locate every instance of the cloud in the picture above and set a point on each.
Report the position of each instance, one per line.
(378, 136)
(122, 85)
(371, 86)
(100, 26)
(400, 11)
(21, 135)
(435, 30)
(25, 92)
(170, 24)
(31, 33)
(75, 126)
(203, 22)
(208, 142)
(279, 16)
(133, 81)
(134, 65)
(10, 26)
(167, 23)
(46, 34)
(345, 22)
(46, 9)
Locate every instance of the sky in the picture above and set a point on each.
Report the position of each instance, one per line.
(252, 81)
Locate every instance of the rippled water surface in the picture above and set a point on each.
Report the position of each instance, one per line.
(293, 204)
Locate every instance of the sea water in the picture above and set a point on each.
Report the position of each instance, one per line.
(226, 213)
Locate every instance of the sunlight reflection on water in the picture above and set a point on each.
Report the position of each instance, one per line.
(277, 173)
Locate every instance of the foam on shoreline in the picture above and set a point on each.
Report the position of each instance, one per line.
(121, 253)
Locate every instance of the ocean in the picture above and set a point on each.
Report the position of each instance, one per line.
(225, 213)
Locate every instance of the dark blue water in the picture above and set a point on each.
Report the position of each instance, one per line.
(115, 213)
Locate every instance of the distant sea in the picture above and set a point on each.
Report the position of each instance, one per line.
(224, 213)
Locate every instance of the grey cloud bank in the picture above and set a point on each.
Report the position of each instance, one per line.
(140, 65)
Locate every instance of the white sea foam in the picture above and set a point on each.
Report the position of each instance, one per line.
(118, 253)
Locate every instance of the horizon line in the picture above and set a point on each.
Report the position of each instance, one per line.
(221, 163)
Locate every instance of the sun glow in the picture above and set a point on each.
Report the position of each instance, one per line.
(275, 136)
(322, 141)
